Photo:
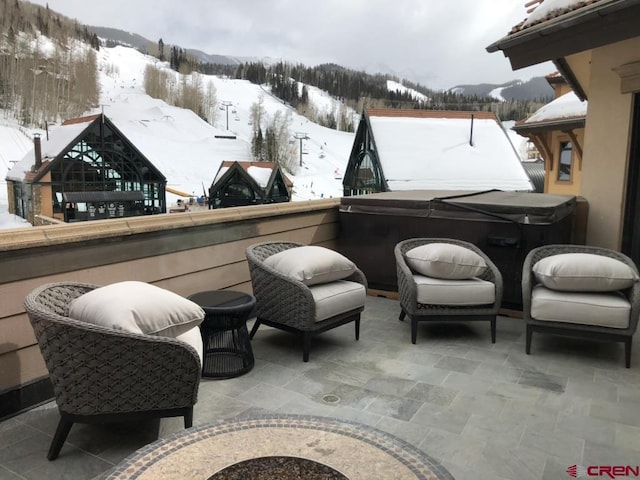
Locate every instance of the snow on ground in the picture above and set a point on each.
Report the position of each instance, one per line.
(15, 142)
(326, 150)
(398, 87)
(497, 94)
(182, 145)
(325, 104)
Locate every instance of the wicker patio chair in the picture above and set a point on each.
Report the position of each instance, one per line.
(289, 304)
(100, 375)
(579, 326)
(443, 312)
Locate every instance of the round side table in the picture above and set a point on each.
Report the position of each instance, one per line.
(227, 348)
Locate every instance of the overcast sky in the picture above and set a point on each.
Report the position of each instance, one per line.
(439, 43)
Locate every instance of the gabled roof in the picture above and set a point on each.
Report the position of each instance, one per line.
(565, 112)
(558, 28)
(55, 146)
(427, 149)
(261, 172)
(173, 139)
(51, 147)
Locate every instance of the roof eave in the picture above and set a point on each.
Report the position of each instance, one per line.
(547, 125)
(584, 29)
(44, 169)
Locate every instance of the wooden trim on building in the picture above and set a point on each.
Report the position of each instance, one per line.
(576, 145)
(541, 144)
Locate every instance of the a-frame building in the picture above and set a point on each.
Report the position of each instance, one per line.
(398, 149)
(249, 183)
(86, 170)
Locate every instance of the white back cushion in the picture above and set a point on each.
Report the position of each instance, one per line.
(311, 264)
(446, 261)
(137, 307)
(584, 272)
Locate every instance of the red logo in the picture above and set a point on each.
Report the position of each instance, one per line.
(607, 471)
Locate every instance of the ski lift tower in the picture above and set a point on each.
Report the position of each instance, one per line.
(226, 104)
(301, 136)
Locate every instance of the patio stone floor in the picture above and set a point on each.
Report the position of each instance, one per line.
(482, 410)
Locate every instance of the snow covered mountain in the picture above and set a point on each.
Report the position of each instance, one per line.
(537, 88)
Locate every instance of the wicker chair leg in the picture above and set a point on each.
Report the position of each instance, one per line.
(357, 322)
(64, 426)
(627, 352)
(414, 330)
(528, 341)
(306, 345)
(256, 325)
(188, 418)
(402, 315)
(493, 330)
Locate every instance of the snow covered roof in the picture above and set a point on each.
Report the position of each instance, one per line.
(556, 29)
(51, 146)
(427, 149)
(548, 9)
(565, 107)
(174, 140)
(260, 171)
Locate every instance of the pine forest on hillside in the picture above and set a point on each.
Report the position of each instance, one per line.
(359, 89)
(48, 73)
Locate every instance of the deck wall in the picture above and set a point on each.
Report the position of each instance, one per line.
(184, 253)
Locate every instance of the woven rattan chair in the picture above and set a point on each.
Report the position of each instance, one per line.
(408, 291)
(288, 304)
(577, 326)
(101, 375)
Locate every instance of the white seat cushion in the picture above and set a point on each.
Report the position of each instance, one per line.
(337, 297)
(584, 272)
(445, 260)
(585, 308)
(311, 264)
(438, 291)
(194, 338)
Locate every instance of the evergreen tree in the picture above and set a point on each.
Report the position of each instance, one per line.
(257, 145)
(271, 149)
(161, 56)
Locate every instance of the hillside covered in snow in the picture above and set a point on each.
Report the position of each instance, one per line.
(188, 150)
(185, 148)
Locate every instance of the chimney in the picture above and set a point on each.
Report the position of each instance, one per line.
(37, 149)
